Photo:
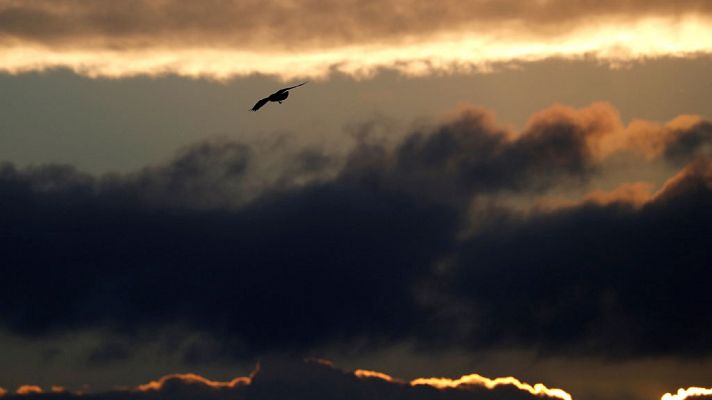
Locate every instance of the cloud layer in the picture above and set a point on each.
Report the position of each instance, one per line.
(401, 243)
(695, 392)
(277, 379)
(221, 39)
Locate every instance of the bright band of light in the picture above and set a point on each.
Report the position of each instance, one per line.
(538, 389)
(682, 394)
(614, 44)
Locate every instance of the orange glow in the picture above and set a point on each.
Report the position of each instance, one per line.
(57, 389)
(459, 51)
(193, 378)
(3, 392)
(682, 394)
(701, 169)
(538, 389)
(605, 134)
(439, 383)
(634, 193)
(364, 373)
(28, 389)
(649, 138)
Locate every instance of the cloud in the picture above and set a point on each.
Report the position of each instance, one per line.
(677, 140)
(694, 392)
(635, 194)
(538, 389)
(28, 389)
(284, 23)
(309, 380)
(297, 267)
(597, 278)
(693, 142)
(471, 154)
(381, 251)
(192, 379)
(221, 39)
(108, 352)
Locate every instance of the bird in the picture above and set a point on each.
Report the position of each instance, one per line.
(278, 96)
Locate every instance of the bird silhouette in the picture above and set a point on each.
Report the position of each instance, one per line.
(278, 96)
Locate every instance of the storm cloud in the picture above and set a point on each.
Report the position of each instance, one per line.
(388, 248)
(615, 279)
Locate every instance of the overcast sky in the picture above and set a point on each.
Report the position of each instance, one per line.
(502, 188)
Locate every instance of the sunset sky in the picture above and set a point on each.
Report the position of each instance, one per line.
(463, 191)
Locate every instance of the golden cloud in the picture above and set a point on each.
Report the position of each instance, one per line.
(28, 389)
(636, 194)
(683, 394)
(538, 389)
(605, 134)
(463, 383)
(307, 38)
(364, 373)
(191, 378)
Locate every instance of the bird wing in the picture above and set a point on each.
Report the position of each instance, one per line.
(259, 104)
(292, 87)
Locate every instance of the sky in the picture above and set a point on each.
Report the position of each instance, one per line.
(467, 200)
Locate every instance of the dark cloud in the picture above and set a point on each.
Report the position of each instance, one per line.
(108, 352)
(471, 155)
(206, 175)
(606, 279)
(280, 379)
(380, 252)
(694, 142)
(296, 268)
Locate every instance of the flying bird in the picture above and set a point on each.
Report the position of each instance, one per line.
(278, 96)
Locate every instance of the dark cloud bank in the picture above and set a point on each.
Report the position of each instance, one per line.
(382, 251)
